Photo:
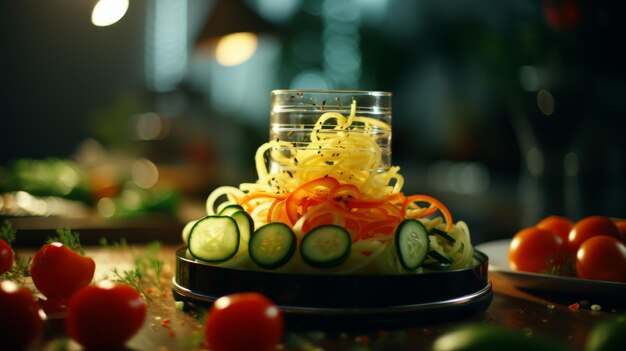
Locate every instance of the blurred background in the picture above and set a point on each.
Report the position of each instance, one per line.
(507, 111)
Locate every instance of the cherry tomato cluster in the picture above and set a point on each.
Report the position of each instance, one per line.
(102, 316)
(106, 315)
(591, 248)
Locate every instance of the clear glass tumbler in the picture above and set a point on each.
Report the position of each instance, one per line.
(294, 114)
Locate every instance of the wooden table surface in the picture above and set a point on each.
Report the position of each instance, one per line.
(170, 328)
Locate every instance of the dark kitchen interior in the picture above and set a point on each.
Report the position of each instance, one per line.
(120, 118)
(508, 112)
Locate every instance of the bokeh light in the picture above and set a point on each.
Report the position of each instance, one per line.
(108, 12)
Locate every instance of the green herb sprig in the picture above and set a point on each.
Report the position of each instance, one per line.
(122, 244)
(147, 266)
(69, 238)
(132, 277)
(151, 264)
(7, 232)
(19, 270)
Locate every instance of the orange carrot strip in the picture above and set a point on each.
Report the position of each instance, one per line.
(270, 211)
(257, 195)
(424, 211)
(438, 204)
(354, 226)
(385, 227)
(321, 219)
(317, 188)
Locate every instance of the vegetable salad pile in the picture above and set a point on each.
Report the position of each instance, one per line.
(330, 191)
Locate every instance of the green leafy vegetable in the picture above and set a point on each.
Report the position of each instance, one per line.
(147, 266)
(150, 263)
(132, 277)
(7, 232)
(19, 270)
(68, 238)
(122, 244)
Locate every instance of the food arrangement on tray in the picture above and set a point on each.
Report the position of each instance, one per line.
(327, 207)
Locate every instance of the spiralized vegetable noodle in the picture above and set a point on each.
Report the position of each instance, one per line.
(333, 177)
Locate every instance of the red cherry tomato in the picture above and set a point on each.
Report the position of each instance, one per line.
(589, 227)
(558, 224)
(536, 250)
(6, 256)
(602, 258)
(105, 316)
(243, 321)
(561, 15)
(58, 272)
(20, 323)
(621, 225)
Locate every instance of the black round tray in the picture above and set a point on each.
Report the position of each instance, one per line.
(462, 290)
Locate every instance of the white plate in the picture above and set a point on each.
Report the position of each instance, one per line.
(497, 251)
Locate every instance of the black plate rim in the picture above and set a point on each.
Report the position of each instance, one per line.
(458, 302)
(333, 292)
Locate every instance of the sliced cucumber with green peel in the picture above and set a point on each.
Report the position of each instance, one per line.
(412, 243)
(437, 261)
(245, 224)
(230, 209)
(442, 234)
(440, 256)
(187, 231)
(326, 246)
(272, 245)
(214, 239)
(436, 266)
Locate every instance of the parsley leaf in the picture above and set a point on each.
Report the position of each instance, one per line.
(7, 232)
(147, 266)
(132, 277)
(19, 270)
(68, 238)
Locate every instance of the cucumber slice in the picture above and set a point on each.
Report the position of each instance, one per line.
(214, 239)
(245, 224)
(442, 234)
(272, 245)
(437, 261)
(326, 246)
(186, 231)
(411, 243)
(436, 266)
(440, 256)
(230, 209)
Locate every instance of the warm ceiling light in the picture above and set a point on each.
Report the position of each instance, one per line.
(235, 49)
(231, 33)
(107, 12)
